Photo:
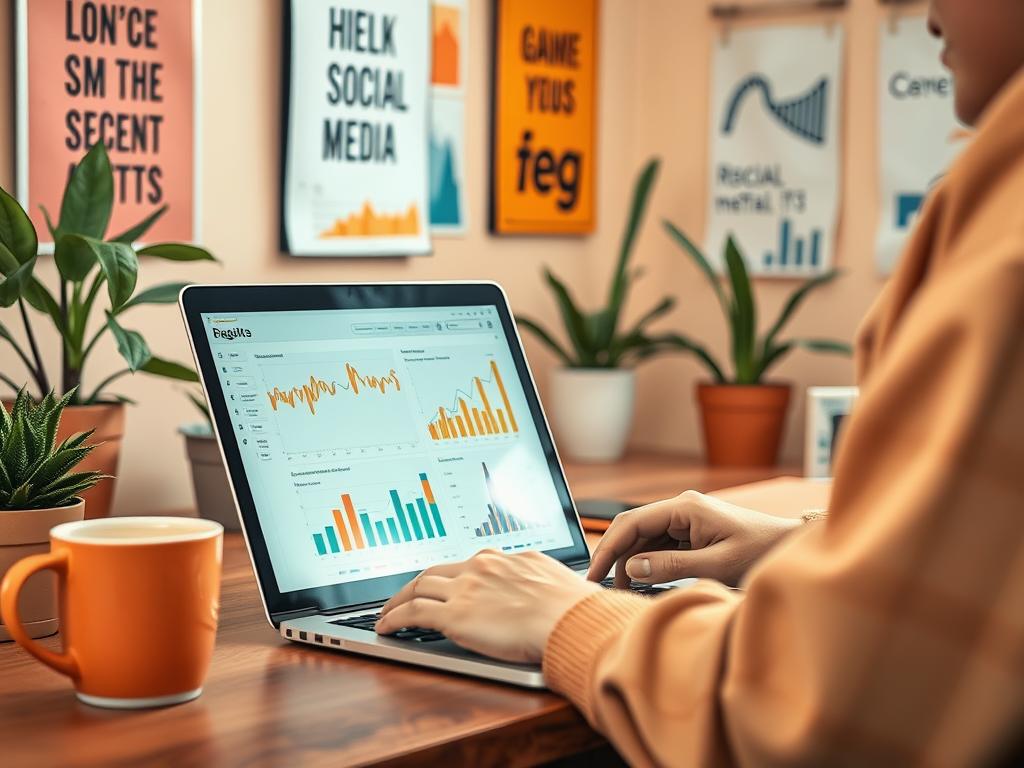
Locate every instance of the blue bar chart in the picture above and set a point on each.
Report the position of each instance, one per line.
(794, 252)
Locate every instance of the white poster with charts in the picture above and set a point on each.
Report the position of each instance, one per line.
(919, 135)
(774, 174)
(356, 129)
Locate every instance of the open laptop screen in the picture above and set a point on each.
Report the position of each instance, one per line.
(376, 442)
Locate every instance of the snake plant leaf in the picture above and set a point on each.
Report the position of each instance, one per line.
(667, 305)
(158, 294)
(609, 319)
(743, 316)
(698, 258)
(170, 370)
(177, 252)
(130, 344)
(17, 232)
(797, 298)
(543, 335)
(13, 286)
(653, 345)
(574, 322)
(129, 236)
(89, 196)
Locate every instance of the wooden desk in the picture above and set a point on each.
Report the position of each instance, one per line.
(270, 702)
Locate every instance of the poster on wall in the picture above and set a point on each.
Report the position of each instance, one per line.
(448, 117)
(774, 174)
(123, 75)
(543, 158)
(355, 133)
(919, 136)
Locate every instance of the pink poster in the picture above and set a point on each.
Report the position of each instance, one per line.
(120, 73)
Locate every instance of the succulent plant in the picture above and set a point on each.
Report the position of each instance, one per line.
(34, 472)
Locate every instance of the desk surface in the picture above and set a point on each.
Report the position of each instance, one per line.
(270, 702)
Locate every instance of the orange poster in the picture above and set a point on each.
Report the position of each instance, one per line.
(545, 84)
(120, 73)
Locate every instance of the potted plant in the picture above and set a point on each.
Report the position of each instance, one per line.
(743, 416)
(210, 485)
(591, 405)
(86, 263)
(38, 491)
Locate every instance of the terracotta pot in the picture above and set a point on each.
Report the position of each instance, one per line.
(209, 477)
(24, 533)
(743, 424)
(108, 421)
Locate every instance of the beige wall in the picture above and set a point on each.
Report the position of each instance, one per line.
(653, 96)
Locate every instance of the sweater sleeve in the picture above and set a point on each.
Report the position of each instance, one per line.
(890, 634)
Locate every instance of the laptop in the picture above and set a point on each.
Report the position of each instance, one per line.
(373, 431)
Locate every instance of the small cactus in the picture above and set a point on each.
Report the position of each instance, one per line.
(33, 471)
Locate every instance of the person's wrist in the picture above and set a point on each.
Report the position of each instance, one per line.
(558, 606)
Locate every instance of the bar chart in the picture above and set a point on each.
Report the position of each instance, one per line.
(499, 519)
(794, 252)
(401, 523)
(472, 414)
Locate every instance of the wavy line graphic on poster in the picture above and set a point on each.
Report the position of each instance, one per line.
(803, 115)
(332, 406)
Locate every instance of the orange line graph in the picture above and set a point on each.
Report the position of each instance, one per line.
(311, 393)
(456, 423)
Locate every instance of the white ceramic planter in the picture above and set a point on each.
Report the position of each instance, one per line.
(591, 410)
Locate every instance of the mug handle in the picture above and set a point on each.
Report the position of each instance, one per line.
(65, 663)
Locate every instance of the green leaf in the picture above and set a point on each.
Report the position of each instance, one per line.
(698, 258)
(169, 369)
(129, 236)
(575, 325)
(42, 300)
(543, 335)
(177, 252)
(743, 316)
(89, 196)
(49, 223)
(664, 307)
(12, 288)
(796, 299)
(130, 344)
(16, 230)
(74, 256)
(158, 294)
(8, 264)
(121, 268)
(668, 342)
(608, 320)
(824, 346)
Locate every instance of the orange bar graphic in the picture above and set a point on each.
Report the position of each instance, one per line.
(465, 415)
(501, 418)
(462, 425)
(351, 513)
(487, 404)
(451, 429)
(492, 425)
(479, 423)
(345, 540)
(433, 432)
(427, 492)
(504, 396)
(444, 424)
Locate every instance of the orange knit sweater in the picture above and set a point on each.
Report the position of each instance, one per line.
(893, 633)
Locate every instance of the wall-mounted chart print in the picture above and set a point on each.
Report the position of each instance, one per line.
(543, 163)
(774, 174)
(356, 128)
(919, 136)
(448, 118)
(121, 74)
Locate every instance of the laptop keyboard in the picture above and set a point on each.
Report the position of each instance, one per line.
(421, 635)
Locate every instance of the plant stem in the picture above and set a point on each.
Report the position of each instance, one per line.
(99, 389)
(38, 373)
(64, 345)
(9, 383)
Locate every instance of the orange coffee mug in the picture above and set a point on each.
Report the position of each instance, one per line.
(138, 599)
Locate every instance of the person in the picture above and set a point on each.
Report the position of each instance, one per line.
(892, 631)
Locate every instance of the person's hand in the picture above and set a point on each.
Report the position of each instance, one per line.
(504, 606)
(690, 535)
